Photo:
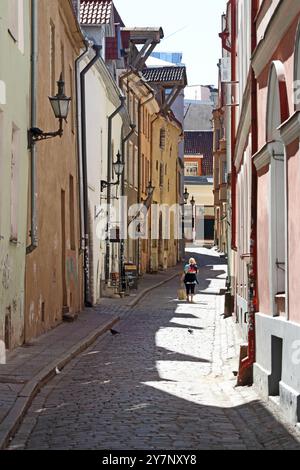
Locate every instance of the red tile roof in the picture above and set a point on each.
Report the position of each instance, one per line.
(95, 12)
(164, 74)
(200, 143)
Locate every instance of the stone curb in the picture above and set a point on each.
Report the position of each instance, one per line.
(149, 289)
(12, 421)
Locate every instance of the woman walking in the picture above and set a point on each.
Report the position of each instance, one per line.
(190, 279)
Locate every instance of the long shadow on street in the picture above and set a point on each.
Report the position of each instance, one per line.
(154, 387)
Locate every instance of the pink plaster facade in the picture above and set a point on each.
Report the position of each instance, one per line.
(285, 54)
(265, 221)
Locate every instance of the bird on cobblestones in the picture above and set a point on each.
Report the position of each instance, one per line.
(114, 332)
(191, 332)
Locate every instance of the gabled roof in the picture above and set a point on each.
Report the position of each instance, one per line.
(96, 12)
(164, 74)
(200, 143)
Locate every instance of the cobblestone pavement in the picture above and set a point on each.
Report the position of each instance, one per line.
(166, 382)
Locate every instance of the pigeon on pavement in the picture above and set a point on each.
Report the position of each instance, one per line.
(114, 332)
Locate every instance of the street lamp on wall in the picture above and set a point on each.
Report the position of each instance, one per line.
(193, 203)
(186, 196)
(118, 167)
(150, 189)
(60, 104)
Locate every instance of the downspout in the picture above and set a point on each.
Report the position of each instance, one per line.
(139, 195)
(87, 297)
(34, 58)
(78, 138)
(109, 178)
(122, 247)
(152, 179)
(247, 363)
(233, 123)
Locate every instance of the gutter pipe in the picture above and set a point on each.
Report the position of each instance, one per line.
(233, 122)
(139, 195)
(87, 293)
(122, 247)
(109, 178)
(34, 58)
(79, 149)
(246, 366)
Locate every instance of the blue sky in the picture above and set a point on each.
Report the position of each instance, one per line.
(196, 24)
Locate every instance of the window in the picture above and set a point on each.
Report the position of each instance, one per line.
(52, 60)
(135, 166)
(162, 139)
(143, 172)
(224, 172)
(136, 114)
(62, 55)
(14, 183)
(13, 19)
(130, 164)
(191, 169)
(161, 176)
(72, 100)
(72, 213)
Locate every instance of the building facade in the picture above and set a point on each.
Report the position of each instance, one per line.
(14, 163)
(198, 171)
(54, 263)
(263, 39)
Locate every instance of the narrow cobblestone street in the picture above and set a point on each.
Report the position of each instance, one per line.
(166, 382)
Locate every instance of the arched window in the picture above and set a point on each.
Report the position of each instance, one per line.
(277, 113)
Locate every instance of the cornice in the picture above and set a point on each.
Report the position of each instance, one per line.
(290, 129)
(281, 20)
(263, 157)
(243, 128)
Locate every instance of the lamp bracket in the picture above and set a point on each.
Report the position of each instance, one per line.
(105, 184)
(37, 135)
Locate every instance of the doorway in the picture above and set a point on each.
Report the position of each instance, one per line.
(276, 375)
(63, 250)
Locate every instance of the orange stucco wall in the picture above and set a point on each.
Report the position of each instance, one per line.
(49, 264)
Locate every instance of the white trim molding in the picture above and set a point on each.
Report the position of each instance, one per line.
(290, 129)
(282, 18)
(244, 128)
(263, 157)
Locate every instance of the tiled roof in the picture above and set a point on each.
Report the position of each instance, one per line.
(200, 143)
(164, 74)
(95, 12)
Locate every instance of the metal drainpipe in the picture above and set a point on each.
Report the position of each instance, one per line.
(87, 298)
(233, 124)
(78, 138)
(109, 177)
(151, 171)
(122, 247)
(34, 56)
(248, 362)
(139, 195)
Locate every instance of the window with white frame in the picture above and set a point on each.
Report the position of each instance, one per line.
(191, 168)
(16, 22)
